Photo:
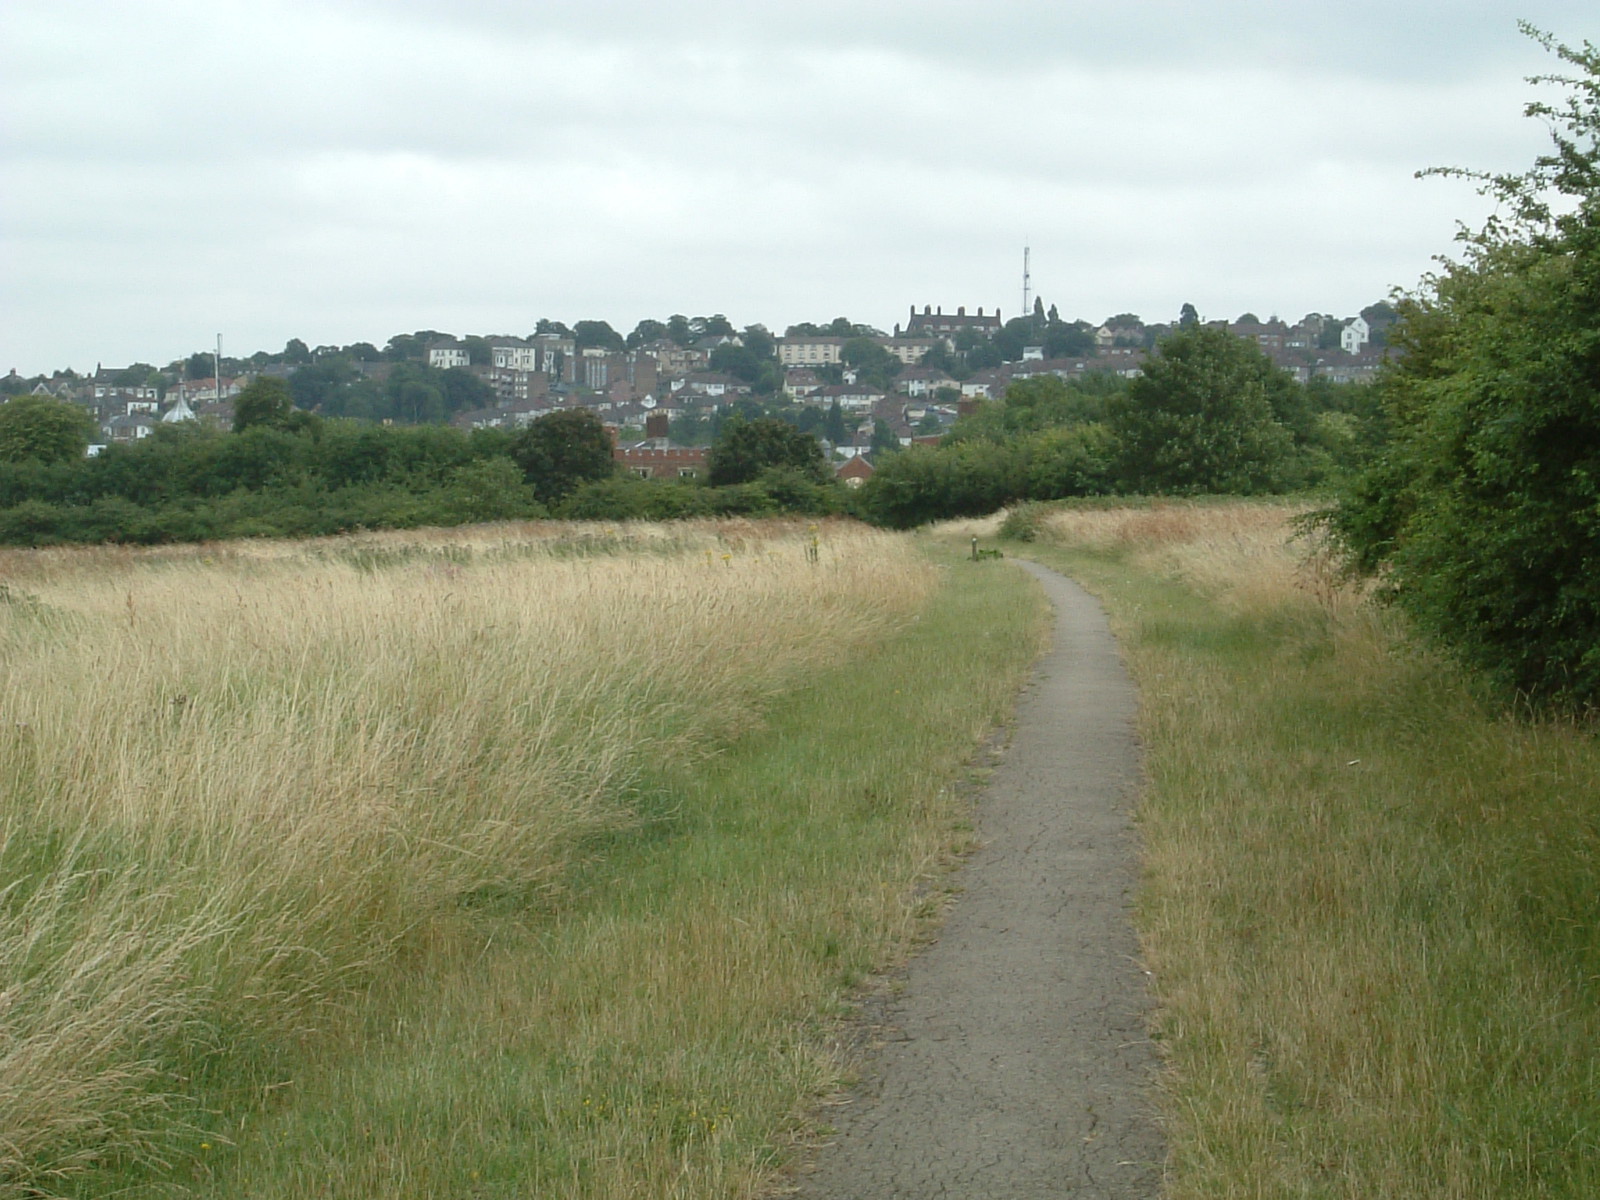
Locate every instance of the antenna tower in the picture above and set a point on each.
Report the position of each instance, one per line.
(1027, 284)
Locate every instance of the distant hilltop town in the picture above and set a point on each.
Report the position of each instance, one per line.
(911, 379)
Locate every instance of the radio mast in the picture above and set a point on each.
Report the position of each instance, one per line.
(1027, 285)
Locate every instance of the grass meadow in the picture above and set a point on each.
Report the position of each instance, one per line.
(516, 860)
(543, 860)
(1371, 895)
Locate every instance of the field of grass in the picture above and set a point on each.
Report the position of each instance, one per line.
(540, 860)
(1372, 899)
(497, 862)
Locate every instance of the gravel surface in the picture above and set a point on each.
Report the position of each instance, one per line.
(1013, 1061)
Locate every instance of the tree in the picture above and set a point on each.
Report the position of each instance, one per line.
(982, 355)
(1013, 336)
(884, 441)
(736, 361)
(715, 325)
(43, 430)
(646, 332)
(1044, 401)
(405, 347)
(1188, 315)
(833, 426)
(1069, 460)
(759, 341)
(872, 362)
(1200, 418)
(597, 335)
(1068, 340)
(561, 450)
(138, 374)
(199, 365)
(744, 449)
(265, 400)
(1380, 318)
(321, 384)
(938, 357)
(464, 391)
(841, 327)
(1481, 514)
(296, 351)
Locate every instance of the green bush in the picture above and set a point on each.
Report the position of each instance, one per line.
(1021, 524)
(630, 498)
(1482, 511)
(925, 484)
(33, 523)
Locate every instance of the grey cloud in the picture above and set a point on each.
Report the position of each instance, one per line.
(346, 169)
(1371, 38)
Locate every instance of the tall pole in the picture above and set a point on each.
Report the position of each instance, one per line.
(1027, 285)
(217, 370)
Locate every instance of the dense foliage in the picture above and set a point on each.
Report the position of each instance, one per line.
(746, 448)
(1204, 417)
(1210, 414)
(50, 431)
(562, 450)
(1482, 513)
(286, 473)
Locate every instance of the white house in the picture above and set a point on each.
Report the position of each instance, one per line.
(921, 381)
(1357, 333)
(851, 396)
(445, 355)
(513, 354)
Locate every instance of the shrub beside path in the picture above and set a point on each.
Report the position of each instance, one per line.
(1015, 1063)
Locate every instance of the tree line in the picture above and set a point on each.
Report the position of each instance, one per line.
(1209, 413)
(285, 472)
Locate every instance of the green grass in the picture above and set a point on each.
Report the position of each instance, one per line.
(663, 1026)
(1372, 902)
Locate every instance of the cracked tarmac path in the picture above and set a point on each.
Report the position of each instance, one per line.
(1016, 1062)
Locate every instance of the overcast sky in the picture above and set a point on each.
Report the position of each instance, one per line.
(343, 170)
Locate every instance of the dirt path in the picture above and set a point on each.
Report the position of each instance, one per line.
(1015, 1062)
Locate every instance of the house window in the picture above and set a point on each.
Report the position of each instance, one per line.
(642, 472)
(687, 472)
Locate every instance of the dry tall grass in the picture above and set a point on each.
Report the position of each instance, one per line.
(239, 780)
(1245, 557)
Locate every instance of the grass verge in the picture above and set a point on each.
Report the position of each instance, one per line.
(1370, 899)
